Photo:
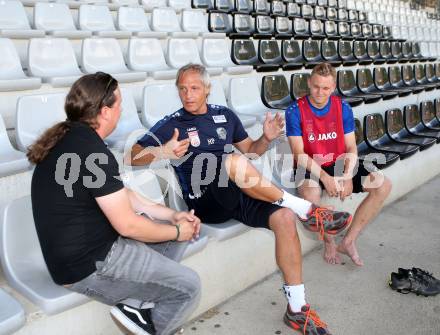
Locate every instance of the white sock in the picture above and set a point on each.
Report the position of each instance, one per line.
(295, 295)
(300, 206)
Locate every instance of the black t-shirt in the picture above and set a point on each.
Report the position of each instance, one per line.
(73, 231)
(212, 133)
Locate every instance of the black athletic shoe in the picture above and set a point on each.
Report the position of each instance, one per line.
(421, 273)
(409, 282)
(323, 220)
(135, 321)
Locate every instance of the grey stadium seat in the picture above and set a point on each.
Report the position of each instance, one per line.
(14, 22)
(12, 315)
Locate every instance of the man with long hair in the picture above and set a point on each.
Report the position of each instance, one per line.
(92, 239)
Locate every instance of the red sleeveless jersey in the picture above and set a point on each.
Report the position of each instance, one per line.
(323, 136)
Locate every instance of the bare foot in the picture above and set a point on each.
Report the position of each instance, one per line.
(330, 254)
(350, 250)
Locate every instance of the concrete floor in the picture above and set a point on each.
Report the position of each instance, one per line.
(352, 300)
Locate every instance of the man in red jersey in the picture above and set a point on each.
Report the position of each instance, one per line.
(320, 128)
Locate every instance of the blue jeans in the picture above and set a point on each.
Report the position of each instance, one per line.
(136, 273)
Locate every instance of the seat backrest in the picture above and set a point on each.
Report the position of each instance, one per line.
(202, 4)
(345, 49)
(394, 121)
(332, 13)
(51, 16)
(165, 19)
(219, 22)
(430, 72)
(437, 70)
(374, 127)
(269, 52)
(330, 28)
(243, 6)
(427, 111)
(407, 49)
(145, 54)
(419, 73)
(149, 5)
(179, 5)
(223, 5)
(5, 143)
(342, 14)
(301, 26)
(243, 52)
(320, 13)
(194, 20)
(298, 85)
(307, 11)
(132, 19)
(51, 57)
(217, 94)
(283, 25)
(358, 132)
(364, 79)
(10, 66)
(416, 49)
(13, 16)
(243, 23)
(264, 24)
(244, 96)
(291, 51)
(277, 8)
(367, 30)
(95, 18)
(355, 30)
(311, 50)
(377, 31)
(437, 108)
(261, 7)
(411, 116)
(408, 74)
(316, 27)
(385, 49)
(102, 54)
(159, 100)
(343, 29)
(215, 52)
(182, 51)
(396, 49)
(360, 49)
(346, 81)
(293, 9)
(395, 75)
(328, 49)
(386, 32)
(275, 89)
(373, 49)
(381, 79)
(35, 114)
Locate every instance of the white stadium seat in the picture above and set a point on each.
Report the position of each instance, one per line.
(98, 20)
(11, 161)
(166, 20)
(104, 54)
(134, 20)
(149, 5)
(53, 59)
(12, 315)
(56, 19)
(12, 77)
(179, 5)
(146, 54)
(14, 22)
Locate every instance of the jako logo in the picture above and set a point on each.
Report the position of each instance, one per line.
(328, 136)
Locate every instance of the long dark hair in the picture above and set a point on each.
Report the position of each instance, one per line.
(83, 103)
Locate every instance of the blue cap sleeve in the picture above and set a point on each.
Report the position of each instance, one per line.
(347, 118)
(293, 120)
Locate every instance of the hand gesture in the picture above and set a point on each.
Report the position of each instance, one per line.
(186, 220)
(175, 149)
(273, 127)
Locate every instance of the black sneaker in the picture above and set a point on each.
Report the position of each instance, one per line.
(324, 220)
(306, 321)
(421, 273)
(135, 321)
(409, 282)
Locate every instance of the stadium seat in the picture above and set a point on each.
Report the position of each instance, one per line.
(367, 31)
(244, 97)
(329, 52)
(332, 14)
(275, 92)
(23, 263)
(195, 20)
(291, 54)
(159, 100)
(53, 60)
(166, 20)
(11, 161)
(99, 21)
(243, 26)
(243, 6)
(356, 31)
(261, 7)
(264, 27)
(414, 124)
(368, 155)
(181, 51)
(373, 51)
(431, 75)
(320, 13)
(243, 53)
(219, 231)
(293, 9)
(146, 55)
(396, 81)
(134, 20)
(344, 30)
(215, 53)
(345, 52)
(395, 128)
(367, 85)
(14, 22)
(301, 28)
(377, 138)
(56, 20)
(421, 79)
(307, 11)
(406, 52)
(269, 55)
(311, 53)
(428, 115)
(12, 315)
(396, 50)
(219, 22)
(127, 124)
(385, 52)
(409, 80)
(298, 85)
(35, 114)
(360, 52)
(331, 30)
(104, 54)
(283, 27)
(346, 84)
(12, 77)
(179, 5)
(149, 5)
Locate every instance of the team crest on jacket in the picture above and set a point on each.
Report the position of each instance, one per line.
(311, 137)
(194, 138)
(221, 133)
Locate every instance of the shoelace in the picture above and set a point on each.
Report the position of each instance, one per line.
(311, 314)
(418, 271)
(321, 215)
